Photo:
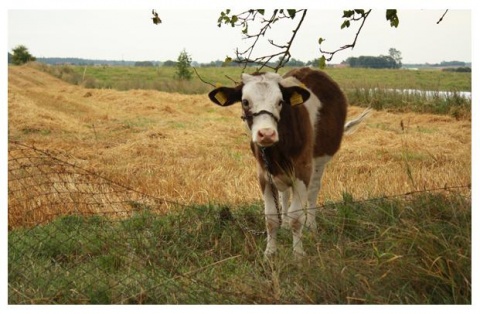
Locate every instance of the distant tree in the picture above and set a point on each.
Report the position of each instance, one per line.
(452, 63)
(183, 65)
(351, 61)
(21, 55)
(144, 64)
(169, 63)
(216, 63)
(459, 69)
(294, 63)
(381, 62)
(397, 56)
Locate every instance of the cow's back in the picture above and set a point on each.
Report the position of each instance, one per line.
(333, 111)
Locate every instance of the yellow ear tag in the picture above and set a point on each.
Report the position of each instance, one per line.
(221, 98)
(296, 99)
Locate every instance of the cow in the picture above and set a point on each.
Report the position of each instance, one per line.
(296, 123)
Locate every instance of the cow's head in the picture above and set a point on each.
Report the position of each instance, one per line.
(262, 97)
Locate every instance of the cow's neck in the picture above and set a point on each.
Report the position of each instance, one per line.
(274, 160)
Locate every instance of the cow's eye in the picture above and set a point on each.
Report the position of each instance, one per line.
(245, 103)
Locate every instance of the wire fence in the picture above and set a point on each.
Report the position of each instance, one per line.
(44, 184)
(45, 187)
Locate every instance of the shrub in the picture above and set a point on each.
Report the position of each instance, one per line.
(183, 66)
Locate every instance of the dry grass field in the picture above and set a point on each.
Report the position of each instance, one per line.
(89, 168)
(184, 148)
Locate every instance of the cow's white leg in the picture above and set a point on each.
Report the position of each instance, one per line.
(284, 200)
(271, 220)
(314, 187)
(297, 215)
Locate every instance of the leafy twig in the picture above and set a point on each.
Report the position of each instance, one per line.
(351, 17)
(213, 85)
(243, 19)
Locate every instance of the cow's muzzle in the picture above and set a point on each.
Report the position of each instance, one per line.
(266, 137)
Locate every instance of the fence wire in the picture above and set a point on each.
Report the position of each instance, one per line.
(44, 186)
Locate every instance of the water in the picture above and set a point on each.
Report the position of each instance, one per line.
(429, 94)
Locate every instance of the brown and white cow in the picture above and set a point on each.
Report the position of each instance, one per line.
(297, 122)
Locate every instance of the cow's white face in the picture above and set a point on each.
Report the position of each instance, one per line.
(263, 97)
(262, 102)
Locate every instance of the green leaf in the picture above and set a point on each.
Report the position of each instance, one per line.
(348, 13)
(345, 23)
(234, 19)
(321, 40)
(391, 15)
(261, 11)
(292, 13)
(360, 11)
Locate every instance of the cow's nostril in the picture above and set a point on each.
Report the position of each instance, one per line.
(267, 135)
(263, 133)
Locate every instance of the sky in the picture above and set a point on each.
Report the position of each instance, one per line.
(99, 32)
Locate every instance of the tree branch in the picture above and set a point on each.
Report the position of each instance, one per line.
(243, 19)
(286, 56)
(363, 17)
(201, 79)
(441, 18)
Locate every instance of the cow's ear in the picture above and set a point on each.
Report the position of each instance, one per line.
(226, 96)
(295, 95)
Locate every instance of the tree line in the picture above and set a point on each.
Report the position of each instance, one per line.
(380, 62)
(392, 61)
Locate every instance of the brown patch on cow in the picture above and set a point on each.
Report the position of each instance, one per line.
(331, 120)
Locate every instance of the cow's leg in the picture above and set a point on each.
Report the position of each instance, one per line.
(314, 187)
(284, 200)
(297, 215)
(271, 219)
